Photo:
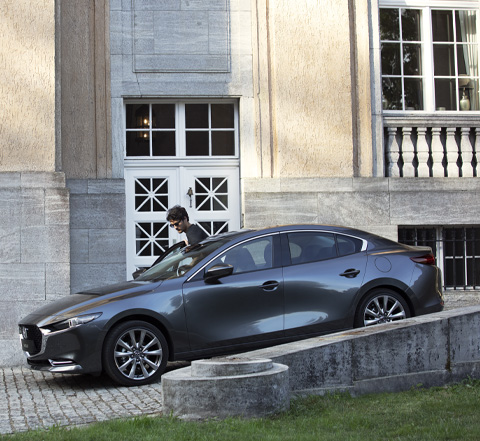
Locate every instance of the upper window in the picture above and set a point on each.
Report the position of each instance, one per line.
(429, 59)
(181, 129)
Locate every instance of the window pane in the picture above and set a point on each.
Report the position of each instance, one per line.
(137, 116)
(310, 247)
(163, 116)
(412, 59)
(442, 25)
(444, 60)
(138, 144)
(348, 245)
(196, 116)
(163, 143)
(389, 24)
(197, 144)
(467, 59)
(413, 94)
(466, 26)
(222, 116)
(223, 143)
(391, 59)
(411, 25)
(445, 94)
(392, 93)
(473, 272)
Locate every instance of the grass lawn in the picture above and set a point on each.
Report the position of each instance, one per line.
(447, 413)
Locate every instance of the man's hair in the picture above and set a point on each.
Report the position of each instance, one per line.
(177, 213)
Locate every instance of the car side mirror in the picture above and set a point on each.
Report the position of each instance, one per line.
(217, 271)
(138, 273)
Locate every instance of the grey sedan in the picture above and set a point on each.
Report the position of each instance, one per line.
(230, 293)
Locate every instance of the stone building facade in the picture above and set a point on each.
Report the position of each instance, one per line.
(247, 112)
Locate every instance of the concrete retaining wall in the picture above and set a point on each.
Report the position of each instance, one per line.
(431, 350)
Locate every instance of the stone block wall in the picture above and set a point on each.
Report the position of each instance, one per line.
(34, 251)
(377, 205)
(97, 232)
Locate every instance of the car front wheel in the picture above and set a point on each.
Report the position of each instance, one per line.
(381, 306)
(135, 353)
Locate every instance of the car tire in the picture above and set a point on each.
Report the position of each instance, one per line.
(381, 306)
(135, 353)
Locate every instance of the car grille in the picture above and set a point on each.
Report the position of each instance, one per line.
(34, 334)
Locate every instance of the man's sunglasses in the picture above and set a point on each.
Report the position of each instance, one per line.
(175, 224)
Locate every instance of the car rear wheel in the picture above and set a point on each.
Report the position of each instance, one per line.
(135, 353)
(381, 306)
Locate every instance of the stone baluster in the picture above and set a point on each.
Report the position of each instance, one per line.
(475, 149)
(466, 148)
(452, 153)
(437, 153)
(423, 154)
(408, 153)
(393, 154)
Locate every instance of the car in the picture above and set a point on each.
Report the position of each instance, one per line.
(231, 293)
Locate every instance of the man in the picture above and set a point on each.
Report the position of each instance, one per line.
(178, 218)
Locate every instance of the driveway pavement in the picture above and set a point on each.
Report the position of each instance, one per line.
(32, 400)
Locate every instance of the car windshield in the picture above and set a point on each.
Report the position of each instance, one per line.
(181, 260)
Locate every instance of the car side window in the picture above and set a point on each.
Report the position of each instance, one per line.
(249, 256)
(348, 245)
(311, 246)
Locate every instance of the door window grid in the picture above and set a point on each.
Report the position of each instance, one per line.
(151, 238)
(456, 249)
(211, 194)
(151, 194)
(429, 58)
(182, 129)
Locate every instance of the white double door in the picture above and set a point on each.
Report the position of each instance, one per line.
(210, 195)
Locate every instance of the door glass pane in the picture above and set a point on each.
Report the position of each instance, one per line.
(197, 143)
(391, 59)
(223, 143)
(442, 26)
(222, 116)
(348, 245)
(163, 143)
(389, 24)
(137, 116)
(163, 116)
(138, 144)
(411, 25)
(196, 116)
(251, 256)
(311, 247)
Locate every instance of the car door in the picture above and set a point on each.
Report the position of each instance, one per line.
(245, 307)
(321, 278)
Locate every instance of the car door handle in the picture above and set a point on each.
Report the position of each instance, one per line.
(271, 285)
(350, 273)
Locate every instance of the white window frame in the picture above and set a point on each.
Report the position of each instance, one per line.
(181, 130)
(427, 47)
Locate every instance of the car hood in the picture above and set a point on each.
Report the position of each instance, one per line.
(85, 301)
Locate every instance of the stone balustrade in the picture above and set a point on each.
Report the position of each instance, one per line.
(421, 146)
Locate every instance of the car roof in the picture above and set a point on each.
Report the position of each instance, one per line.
(373, 239)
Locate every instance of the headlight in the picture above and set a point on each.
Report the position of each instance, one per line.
(72, 322)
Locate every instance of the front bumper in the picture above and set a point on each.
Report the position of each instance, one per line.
(75, 350)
